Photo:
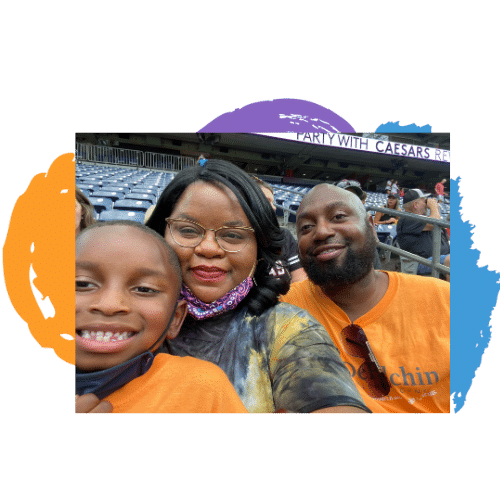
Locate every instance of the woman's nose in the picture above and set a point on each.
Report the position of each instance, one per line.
(209, 246)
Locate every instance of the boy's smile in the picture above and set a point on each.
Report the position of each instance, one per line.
(126, 292)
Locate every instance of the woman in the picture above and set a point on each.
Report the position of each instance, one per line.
(227, 238)
(393, 204)
(289, 259)
(84, 211)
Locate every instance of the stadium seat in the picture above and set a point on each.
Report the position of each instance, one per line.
(131, 204)
(141, 196)
(113, 195)
(122, 215)
(100, 203)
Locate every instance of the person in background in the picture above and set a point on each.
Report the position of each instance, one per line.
(201, 160)
(388, 186)
(415, 236)
(289, 257)
(439, 189)
(393, 204)
(84, 211)
(395, 188)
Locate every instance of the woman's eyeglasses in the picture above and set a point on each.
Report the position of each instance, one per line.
(374, 380)
(190, 234)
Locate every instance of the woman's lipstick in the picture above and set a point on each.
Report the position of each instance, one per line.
(208, 274)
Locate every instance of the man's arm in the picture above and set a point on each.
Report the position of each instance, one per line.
(433, 206)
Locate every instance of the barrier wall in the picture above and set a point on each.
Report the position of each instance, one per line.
(128, 157)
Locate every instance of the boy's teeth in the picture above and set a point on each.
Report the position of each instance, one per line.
(101, 336)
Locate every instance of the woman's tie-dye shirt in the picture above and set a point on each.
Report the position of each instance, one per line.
(280, 361)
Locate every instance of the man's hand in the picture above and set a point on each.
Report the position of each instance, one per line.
(432, 203)
(89, 403)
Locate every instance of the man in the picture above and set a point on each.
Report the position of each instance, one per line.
(416, 237)
(405, 318)
(439, 189)
(289, 261)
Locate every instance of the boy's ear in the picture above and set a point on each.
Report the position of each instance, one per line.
(178, 319)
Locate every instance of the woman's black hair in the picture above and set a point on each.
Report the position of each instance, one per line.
(270, 237)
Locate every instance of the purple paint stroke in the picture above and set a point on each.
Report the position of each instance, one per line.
(279, 116)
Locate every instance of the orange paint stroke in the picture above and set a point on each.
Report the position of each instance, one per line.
(42, 236)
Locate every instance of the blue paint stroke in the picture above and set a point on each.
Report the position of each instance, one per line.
(474, 294)
(393, 127)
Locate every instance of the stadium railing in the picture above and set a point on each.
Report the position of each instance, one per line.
(130, 158)
(438, 225)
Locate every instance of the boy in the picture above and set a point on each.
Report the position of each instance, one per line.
(127, 288)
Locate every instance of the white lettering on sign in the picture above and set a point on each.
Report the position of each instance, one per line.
(367, 144)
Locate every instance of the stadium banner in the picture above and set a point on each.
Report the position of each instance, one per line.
(370, 145)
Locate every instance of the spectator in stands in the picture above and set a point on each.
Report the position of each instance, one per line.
(393, 204)
(353, 187)
(84, 211)
(227, 237)
(125, 308)
(201, 160)
(395, 188)
(289, 257)
(439, 189)
(416, 237)
(388, 186)
(392, 329)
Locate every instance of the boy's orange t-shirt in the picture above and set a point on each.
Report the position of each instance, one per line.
(409, 333)
(178, 385)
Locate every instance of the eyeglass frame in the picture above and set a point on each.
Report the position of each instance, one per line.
(246, 228)
(371, 356)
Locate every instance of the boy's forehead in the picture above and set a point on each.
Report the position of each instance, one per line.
(122, 238)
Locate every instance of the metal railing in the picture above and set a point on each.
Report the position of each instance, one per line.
(438, 225)
(131, 158)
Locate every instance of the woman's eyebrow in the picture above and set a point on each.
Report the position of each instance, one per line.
(234, 223)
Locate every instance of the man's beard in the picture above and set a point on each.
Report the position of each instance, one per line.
(355, 266)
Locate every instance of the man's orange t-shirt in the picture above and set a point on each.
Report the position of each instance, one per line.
(178, 385)
(409, 333)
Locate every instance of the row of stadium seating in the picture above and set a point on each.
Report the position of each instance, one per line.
(128, 193)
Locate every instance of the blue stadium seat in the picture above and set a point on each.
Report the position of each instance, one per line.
(141, 196)
(100, 203)
(293, 206)
(114, 195)
(133, 205)
(122, 215)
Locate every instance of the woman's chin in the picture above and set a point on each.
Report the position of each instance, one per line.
(207, 293)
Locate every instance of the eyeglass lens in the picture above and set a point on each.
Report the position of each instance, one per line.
(189, 234)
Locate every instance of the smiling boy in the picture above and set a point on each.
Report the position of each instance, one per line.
(127, 288)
